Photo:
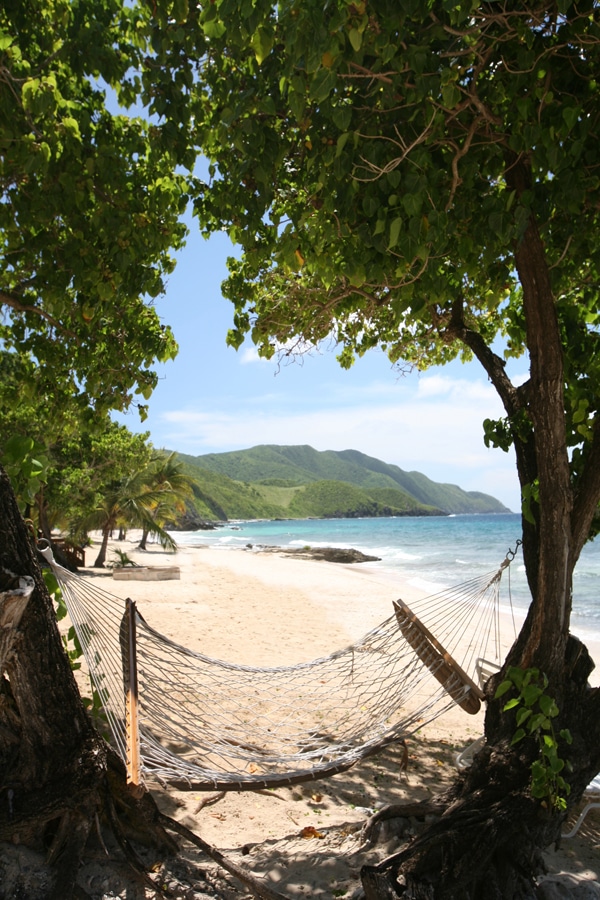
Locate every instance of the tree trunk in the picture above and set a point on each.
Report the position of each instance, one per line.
(51, 758)
(101, 558)
(486, 844)
(53, 764)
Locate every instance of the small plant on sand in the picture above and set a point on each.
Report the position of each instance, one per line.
(121, 560)
(535, 711)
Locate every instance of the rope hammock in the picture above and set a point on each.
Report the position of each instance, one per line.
(183, 718)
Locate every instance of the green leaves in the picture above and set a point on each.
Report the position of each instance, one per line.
(345, 116)
(40, 95)
(450, 95)
(395, 228)
(26, 464)
(92, 203)
(535, 712)
(497, 433)
(571, 116)
(180, 10)
(5, 41)
(360, 155)
(322, 84)
(262, 42)
(355, 38)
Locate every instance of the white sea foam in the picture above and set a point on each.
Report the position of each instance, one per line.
(393, 553)
(429, 587)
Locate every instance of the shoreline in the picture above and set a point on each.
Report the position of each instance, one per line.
(414, 584)
(430, 554)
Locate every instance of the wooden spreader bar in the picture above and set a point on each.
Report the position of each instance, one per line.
(438, 660)
(130, 677)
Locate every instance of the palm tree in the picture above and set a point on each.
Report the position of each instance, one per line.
(129, 503)
(167, 480)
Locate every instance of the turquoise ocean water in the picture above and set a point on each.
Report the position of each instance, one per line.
(430, 553)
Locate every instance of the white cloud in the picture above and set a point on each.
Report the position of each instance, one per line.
(435, 386)
(458, 390)
(249, 355)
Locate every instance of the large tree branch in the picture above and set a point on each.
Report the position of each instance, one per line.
(514, 401)
(11, 300)
(550, 623)
(587, 495)
(491, 362)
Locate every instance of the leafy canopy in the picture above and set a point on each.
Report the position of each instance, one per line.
(361, 154)
(87, 468)
(89, 206)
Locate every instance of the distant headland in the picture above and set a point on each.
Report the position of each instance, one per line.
(297, 482)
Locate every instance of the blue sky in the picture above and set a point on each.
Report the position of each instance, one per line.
(214, 399)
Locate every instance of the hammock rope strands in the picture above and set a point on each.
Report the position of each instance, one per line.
(204, 723)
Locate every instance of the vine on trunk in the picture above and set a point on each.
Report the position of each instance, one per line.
(535, 710)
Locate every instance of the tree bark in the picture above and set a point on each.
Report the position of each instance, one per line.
(51, 759)
(53, 727)
(549, 624)
(101, 558)
(55, 769)
(487, 843)
(42, 508)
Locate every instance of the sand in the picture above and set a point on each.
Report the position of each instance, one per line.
(263, 608)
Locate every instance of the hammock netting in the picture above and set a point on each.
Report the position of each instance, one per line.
(204, 723)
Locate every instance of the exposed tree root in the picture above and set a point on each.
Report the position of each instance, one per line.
(67, 850)
(369, 832)
(258, 888)
(476, 849)
(489, 832)
(133, 860)
(209, 800)
(130, 820)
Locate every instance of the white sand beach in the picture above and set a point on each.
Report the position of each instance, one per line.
(262, 608)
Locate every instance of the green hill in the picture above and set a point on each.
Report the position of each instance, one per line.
(338, 499)
(272, 481)
(219, 498)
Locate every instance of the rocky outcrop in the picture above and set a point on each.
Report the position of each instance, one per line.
(329, 554)
(190, 521)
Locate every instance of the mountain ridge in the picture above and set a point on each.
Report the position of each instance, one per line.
(297, 481)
